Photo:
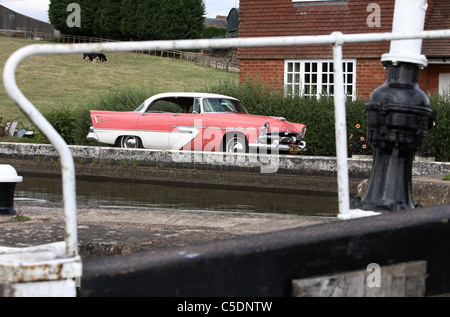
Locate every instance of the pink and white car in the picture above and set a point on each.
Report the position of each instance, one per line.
(198, 122)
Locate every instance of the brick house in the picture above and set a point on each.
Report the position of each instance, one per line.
(308, 70)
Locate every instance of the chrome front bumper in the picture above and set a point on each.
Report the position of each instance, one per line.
(281, 148)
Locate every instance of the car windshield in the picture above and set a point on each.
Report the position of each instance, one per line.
(222, 105)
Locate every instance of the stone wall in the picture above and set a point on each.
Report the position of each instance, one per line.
(268, 172)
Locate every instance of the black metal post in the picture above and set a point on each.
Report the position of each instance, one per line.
(7, 199)
(399, 116)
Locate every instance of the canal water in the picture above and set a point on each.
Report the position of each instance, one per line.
(93, 194)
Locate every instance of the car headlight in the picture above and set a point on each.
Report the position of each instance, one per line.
(265, 129)
(263, 133)
(302, 133)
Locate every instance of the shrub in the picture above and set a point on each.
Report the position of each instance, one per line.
(438, 139)
(213, 31)
(74, 124)
(357, 128)
(64, 121)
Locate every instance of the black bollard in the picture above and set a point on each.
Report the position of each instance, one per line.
(398, 119)
(8, 181)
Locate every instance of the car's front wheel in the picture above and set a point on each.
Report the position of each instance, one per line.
(130, 142)
(236, 144)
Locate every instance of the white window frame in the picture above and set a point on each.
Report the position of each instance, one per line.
(444, 83)
(304, 80)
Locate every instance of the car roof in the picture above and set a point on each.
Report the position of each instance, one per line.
(186, 94)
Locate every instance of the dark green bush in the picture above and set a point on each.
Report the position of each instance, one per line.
(438, 139)
(213, 31)
(64, 121)
(74, 124)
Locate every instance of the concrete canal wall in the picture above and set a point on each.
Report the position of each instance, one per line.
(266, 172)
(205, 254)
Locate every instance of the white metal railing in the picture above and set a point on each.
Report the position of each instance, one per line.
(336, 39)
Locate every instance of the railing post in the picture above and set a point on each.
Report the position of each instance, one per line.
(340, 128)
(21, 269)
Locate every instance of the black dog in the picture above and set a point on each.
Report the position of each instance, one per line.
(102, 58)
(95, 57)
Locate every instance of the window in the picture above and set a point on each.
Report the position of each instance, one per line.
(316, 78)
(222, 105)
(172, 105)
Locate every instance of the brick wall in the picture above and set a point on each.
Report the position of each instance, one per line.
(269, 71)
(370, 74)
(429, 77)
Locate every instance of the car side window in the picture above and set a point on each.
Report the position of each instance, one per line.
(165, 106)
(213, 105)
(196, 108)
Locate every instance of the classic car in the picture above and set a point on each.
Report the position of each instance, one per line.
(198, 122)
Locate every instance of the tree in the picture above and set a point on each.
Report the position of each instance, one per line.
(147, 15)
(128, 23)
(182, 19)
(195, 15)
(57, 14)
(109, 19)
(89, 13)
(132, 19)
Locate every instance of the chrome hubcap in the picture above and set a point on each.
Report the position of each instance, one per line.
(236, 146)
(130, 142)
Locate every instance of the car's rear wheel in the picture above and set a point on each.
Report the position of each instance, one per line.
(130, 142)
(236, 143)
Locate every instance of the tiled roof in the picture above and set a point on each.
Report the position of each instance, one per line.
(439, 19)
(260, 18)
(218, 22)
